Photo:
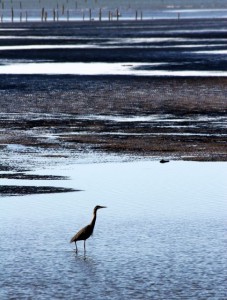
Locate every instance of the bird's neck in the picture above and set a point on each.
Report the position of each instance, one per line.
(93, 220)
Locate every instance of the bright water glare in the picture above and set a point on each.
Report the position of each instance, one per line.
(161, 237)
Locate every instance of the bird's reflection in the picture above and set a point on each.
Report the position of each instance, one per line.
(79, 256)
(83, 257)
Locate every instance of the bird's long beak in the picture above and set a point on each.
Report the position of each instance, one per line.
(102, 207)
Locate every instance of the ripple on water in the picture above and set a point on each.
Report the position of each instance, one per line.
(161, 237)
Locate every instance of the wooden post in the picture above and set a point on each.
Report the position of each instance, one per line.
(63, 9)
(20, 16)
(136, 15)
(57, 15)
(26, 16)
(109, 15)
(83, 15)
(45, 16)
(141, 15)
(12, 14)
(54, 15)
(117, 14)
(42, 14)
(90, 14)
(67, 15)
(100, 14)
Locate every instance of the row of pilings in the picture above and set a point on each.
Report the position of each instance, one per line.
(55, 15)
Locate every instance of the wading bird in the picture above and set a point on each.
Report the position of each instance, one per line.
(86, 231)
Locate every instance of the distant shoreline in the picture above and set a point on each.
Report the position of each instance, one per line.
(59, 14)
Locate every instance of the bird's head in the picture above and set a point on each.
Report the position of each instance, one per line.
(98, 207)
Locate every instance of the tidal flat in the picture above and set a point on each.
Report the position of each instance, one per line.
(160, 92)
(87, 112)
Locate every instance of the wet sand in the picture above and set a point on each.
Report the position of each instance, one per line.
(189, 124)
(47, 119)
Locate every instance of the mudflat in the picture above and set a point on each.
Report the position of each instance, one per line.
(178, 118)
(172, 117)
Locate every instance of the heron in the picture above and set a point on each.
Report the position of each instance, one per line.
(84, 233)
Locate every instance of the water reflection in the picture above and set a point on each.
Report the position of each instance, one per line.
(83, 256)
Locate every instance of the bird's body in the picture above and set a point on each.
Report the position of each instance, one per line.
(84, 233)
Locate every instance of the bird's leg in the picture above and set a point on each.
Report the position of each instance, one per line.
(76, 247)
(84, 247)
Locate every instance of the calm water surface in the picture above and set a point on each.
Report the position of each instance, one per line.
(162, 236)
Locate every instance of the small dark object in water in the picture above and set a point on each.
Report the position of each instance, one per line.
(163, 161)
(86, 231)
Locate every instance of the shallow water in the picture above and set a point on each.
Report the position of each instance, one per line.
(161, 237)
(101, 69)
(149, 48)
